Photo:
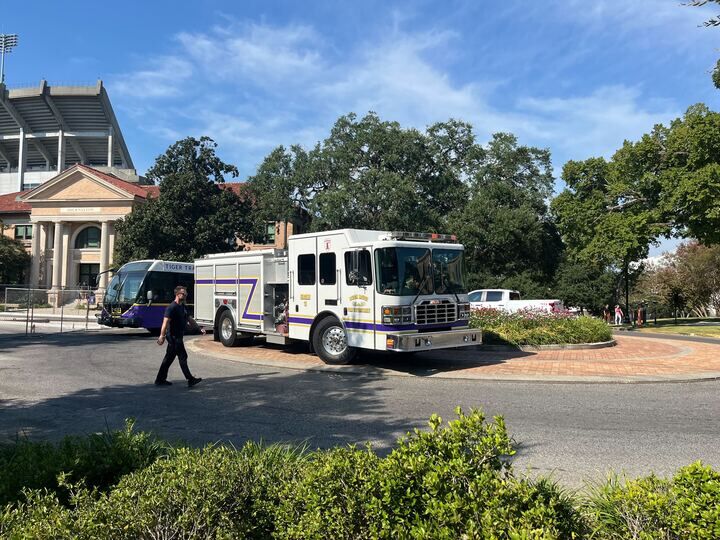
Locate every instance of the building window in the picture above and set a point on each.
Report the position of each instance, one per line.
(88, 238)
(23, 232)
(88, 275)
(270, 233)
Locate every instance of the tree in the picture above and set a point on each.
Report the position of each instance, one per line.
(712, 21)
(192, 156)
(192, 215)
(369, 174)
(374, 174)
(14, 260)
(583, 285)
(505, 226)
(698, 272)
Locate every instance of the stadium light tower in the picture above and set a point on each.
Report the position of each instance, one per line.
(7, 42)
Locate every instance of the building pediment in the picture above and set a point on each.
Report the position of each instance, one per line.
(79, 184)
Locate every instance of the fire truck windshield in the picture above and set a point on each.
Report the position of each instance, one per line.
(410, 271)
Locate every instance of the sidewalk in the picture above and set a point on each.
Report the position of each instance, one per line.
(632, 360)
(47, 315)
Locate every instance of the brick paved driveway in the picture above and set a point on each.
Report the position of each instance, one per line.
(633, 359)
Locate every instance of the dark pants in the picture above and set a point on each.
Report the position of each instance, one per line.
(175, 347)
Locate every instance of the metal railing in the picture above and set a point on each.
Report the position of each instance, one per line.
(74, 309)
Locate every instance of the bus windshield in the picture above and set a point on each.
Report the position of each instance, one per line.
(409, 271)
(124, 286)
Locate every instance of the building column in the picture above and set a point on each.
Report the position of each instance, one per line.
(22, 159)
(67, 257)
(43, 278)
(57, 256)
(61, 151)
(110, 147)
(104, 255)
(35, 255)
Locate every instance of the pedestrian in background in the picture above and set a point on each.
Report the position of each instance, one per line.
(618, 314)
(173, 330)
(606, 313)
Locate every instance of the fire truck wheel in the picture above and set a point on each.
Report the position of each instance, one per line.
(226, 329)
(330, 342)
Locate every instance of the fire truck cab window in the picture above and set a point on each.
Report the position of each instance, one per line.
(358, 268)
(306, 269)
(327, 269)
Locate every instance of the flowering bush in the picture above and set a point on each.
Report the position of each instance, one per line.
(537, 327)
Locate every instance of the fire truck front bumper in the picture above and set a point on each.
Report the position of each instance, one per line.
(433, 340)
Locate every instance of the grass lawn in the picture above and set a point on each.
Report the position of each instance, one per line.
(687, 327)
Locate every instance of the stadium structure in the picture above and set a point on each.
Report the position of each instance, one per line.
(46, 129)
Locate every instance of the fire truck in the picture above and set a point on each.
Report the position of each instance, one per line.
(340, 291)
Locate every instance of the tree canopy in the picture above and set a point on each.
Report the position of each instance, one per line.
(14, 260)
(193, 215)
(374, 174)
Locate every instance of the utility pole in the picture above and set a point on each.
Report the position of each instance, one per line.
(7, 42)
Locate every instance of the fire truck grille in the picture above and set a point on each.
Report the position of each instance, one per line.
(427, 313)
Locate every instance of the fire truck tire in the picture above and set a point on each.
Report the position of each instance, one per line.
(330, 342)
(226, 329)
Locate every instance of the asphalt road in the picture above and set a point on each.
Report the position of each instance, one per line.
(55, 384)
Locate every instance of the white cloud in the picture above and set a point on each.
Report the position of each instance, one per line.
(262, 54)
(165, 76)
(596, 124)
(252, 87)
(651, 22)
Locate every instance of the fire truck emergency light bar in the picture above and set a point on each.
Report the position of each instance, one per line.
(420, 237)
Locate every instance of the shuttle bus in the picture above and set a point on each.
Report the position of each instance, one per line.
(139, 292)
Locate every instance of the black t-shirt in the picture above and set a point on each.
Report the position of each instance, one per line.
(178, 316)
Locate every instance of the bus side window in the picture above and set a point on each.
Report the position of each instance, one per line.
(162, 285)
(187, 281)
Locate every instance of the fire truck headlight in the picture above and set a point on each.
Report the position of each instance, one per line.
(396, 314)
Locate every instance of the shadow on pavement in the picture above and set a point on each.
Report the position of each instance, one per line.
(421, 364)
(69, 338)
(318, 408)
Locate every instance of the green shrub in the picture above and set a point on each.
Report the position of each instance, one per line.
(453, 481)
(538, 328)
(456, 482)
(688, 506)
(99, 460)
(40, 516)
(695, 492)
(217, 492)
(331, 498)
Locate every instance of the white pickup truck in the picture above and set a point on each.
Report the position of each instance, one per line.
(508, 300)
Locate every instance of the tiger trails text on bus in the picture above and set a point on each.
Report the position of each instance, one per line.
(139, 292)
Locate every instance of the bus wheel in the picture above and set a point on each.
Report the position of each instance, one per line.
(330, 342)
(226, 329)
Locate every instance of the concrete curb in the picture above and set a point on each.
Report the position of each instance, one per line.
(567, 347)
(7, 316)
(195, 345)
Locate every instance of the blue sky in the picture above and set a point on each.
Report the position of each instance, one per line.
(575, 76)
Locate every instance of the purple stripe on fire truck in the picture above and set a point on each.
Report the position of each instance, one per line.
(240, 281)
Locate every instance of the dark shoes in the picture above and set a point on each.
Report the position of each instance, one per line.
(191, 382)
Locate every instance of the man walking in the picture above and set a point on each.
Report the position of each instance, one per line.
(173, 329)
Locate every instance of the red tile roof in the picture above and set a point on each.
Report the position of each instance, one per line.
(9, 204)
(131, 187)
